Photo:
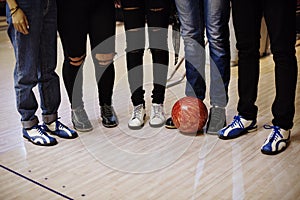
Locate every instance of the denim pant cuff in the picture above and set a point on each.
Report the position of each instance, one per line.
(48, 119)
(31, 123)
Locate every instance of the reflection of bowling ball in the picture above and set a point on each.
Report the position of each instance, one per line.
(189, 114)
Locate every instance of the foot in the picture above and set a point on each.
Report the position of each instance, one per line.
(80, 120)
(216, 120)
(59, 129)
(169, 124)
(277, 141)
(38, 136)
(137, 119)
(109, 117)
(157, 116)
(238, 127)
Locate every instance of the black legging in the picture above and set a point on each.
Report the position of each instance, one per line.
(76, 20)
(156, 13)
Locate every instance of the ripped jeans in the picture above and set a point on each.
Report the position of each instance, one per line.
(156, 13)
(76, 20)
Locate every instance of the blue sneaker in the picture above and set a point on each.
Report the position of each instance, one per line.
(238, 127)
(277, 141)
(37, 135)
(61, 130)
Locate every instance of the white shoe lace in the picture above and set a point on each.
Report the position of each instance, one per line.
(157, 111)
(275, 135)
(137, 112)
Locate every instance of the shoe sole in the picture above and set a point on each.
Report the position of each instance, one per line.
(211, 133)
(170, 127)
(214, 132)
(83, 130)
(156, 125)
(275, 152)
(68, 137)
(49, 144)
(242, 133)
(136, 127)
(109, 126)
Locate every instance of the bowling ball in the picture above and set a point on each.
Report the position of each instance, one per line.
(189, 114)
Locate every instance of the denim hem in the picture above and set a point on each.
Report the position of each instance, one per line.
(48, 119)
(31, 123)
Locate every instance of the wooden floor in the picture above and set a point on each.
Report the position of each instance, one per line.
(151, 163)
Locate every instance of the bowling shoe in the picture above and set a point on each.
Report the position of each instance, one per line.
(137, 119)
(109, 117)
(170, 124)
(59, 129)
(157, 116)
(238, 127)
(80, 119)
(277, 140)
(216, 120)
(37, 135)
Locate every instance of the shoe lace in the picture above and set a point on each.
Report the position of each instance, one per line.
(275, 133)
(107, 110)
(61, 125)
(236, 121)
(137, 112)
(157, 110)
(40, 129)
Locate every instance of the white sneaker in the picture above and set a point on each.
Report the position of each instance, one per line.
(157, 117)
(138, 117)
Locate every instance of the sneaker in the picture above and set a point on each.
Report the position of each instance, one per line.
(169, 124)
(216, 120)
(37, 135)
(109, 117)
(80, 120)
(137, 119)
(157, 116)
(277, 141)
(59, 129)
(238, 127)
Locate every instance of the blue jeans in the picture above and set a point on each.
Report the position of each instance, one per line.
(36, 55)
(196, 16)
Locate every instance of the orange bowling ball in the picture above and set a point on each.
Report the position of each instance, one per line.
(189, 114)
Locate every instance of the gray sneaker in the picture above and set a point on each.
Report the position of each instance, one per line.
(216, 120)
(80, 120)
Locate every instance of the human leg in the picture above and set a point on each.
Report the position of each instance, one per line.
(103, 51)
(192, 32)
(281, 19)
(134, 22)
(216, 14)
(158, 12)
(247, 19)
(73, 34)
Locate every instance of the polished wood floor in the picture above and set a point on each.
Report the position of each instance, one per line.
(151, 163)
